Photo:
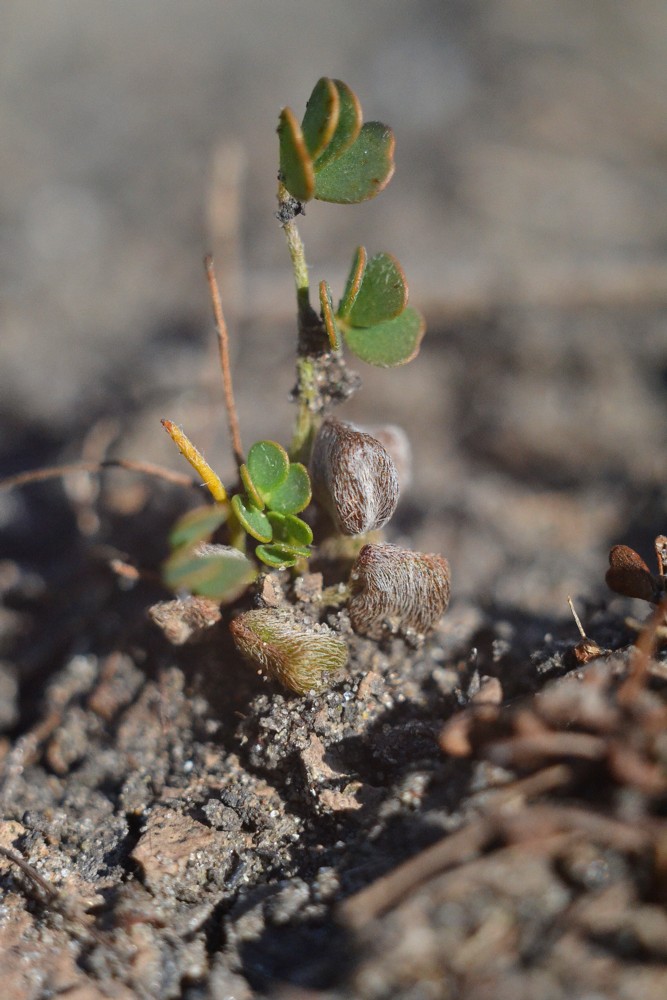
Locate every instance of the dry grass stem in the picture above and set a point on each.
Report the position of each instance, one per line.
(223, 344)
(57, 471)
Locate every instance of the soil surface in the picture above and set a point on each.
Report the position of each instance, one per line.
(481, 815)
(484, 815)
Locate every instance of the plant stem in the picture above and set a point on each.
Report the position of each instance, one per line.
(237, 535)
(304, 426)
(55, 472)
(286, 209)
(299, 266)
(322, 376)
(312, 335)
(223, 345)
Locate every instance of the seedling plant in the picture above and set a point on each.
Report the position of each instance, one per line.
(269, 514)
(330, 156)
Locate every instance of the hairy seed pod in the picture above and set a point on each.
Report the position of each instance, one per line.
(629, 575)
(298, 656)
(398, 590)
(397, 443)
(353, 477)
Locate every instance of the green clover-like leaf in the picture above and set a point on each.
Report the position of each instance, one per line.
(293, 495)
(361, 171)
(278, 524)
(296, 165)
(383, 293)
(290, 529)
(279, 555)
(388, 344)
(251, 490)
(268, 465)
(253, 520)
(298, 532)
(321, 117)
(328, 317)
(353, 284)
(331, 156)
(197, 525)
(222, 576)
(348, 125)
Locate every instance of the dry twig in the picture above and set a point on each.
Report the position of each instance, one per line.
(451, 851)
(56, 471)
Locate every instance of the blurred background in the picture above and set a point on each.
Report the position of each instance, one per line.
(529, 209)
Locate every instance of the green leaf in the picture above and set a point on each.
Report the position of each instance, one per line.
(383, 293)
(298, 532)
(268, 464)
(279, 555)
(197, 525)
(252, 519)
(347, 127)
(274, 555)
(278, 524)
(293, 495)
(250, 487)
(362, 171)
(290, 529)
(296, 166)
(388, 344)
(321, 117)
(354, 279)
(326, 304)
(220, 576)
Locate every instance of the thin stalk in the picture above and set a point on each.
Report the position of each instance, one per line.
(223, 345)
(238, 538)
(298, 257)
(306, 420)
(312, 335)
(57, 471)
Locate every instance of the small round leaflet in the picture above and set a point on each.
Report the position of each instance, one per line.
(252, 519)
(268, 465)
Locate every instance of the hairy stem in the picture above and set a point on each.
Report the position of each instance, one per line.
(305, 424)
(312, 336)
(287, 209)
(196, 460)
(299, 266)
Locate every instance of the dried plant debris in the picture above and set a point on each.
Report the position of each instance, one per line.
(591, 860)
(586, 649)
(661, 553)
(397, 590)
(186, 619)
(577, 719)
(629, 575)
